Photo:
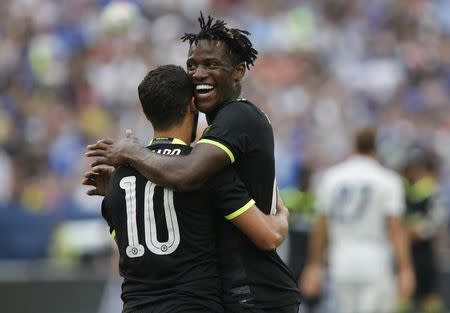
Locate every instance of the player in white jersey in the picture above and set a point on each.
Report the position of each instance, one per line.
(360, 204)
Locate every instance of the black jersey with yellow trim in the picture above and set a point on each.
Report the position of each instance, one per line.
(167, 239)
(424, 207)
(251, 277)
(245, 134)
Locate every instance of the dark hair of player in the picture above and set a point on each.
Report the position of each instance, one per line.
(164, 94)
(236, 39)
(365, 141)
(421, 157)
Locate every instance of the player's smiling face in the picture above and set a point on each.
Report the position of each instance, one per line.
(215, 78)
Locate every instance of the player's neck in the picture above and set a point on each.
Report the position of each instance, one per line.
(370, 155)
(182, 130)
(175, 132)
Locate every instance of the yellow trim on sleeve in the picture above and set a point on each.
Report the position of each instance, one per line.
(113, 234)
(219, 145)
(241, 210)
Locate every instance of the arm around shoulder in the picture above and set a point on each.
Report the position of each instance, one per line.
(182, 173)
(267, 232)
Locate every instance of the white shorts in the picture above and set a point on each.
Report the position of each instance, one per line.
(363, 281)
(376, 296)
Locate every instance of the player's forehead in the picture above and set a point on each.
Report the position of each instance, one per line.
(209, 49)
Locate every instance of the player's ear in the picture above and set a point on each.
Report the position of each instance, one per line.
(239, 72)
(192, 107)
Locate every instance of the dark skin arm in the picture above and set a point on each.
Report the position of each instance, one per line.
(98, 178)
(184, 173)
(267, 232)
(181, 173)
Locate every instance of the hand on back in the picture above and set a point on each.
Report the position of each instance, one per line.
(98, 177)
(109, 153)
(113, 152)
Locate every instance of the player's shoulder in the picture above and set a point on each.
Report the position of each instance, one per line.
(239, 104)
(390, 176)
(122, 174)
(358, 164)
(328, 177)
(123, 171)
(242, 116)
(337, 170)
(240, 108)
(346, 169)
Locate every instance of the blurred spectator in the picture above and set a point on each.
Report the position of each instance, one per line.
(301, 204)
(425, 215)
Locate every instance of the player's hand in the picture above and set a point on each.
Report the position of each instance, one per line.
(98, 177)
(310, 281)
(282, 213)
(281, 208)
(113, 152)
(406, 283)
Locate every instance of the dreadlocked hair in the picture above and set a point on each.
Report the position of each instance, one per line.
(235, 38)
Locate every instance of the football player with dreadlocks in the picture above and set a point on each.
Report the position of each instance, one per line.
(239, 134)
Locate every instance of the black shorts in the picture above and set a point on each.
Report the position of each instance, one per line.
(425, 279)
(180, 307)
(293, 308)
(425, 271)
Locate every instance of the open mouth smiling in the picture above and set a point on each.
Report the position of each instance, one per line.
(204, 89)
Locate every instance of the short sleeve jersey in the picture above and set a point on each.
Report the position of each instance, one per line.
(166, 239)
(357, 196)
(251, 277)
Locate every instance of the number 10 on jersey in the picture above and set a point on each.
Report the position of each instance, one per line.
(134, 248)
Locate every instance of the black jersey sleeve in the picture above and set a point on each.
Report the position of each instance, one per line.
(229, 194)
(230, 129)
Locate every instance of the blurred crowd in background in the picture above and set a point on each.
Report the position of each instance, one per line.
(69, 72)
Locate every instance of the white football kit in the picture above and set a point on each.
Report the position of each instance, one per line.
(357, 196)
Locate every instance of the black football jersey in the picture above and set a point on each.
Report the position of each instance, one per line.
(166, 239)
(422, 202)
(250, 277)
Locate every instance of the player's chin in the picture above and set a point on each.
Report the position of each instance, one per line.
(206, 106)
(206, 102)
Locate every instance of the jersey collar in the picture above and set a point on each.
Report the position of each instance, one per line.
(167, 140)
(363, 158)
(211, 117)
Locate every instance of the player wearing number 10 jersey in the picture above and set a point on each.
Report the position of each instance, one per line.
(360, 204)
(167, 239)
(239, 136)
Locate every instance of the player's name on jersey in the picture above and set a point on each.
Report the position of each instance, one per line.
(167, 151)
